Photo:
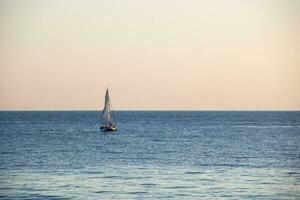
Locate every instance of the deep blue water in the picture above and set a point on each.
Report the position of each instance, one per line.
(154, 155)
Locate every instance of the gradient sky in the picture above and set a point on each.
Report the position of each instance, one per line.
(158, 54)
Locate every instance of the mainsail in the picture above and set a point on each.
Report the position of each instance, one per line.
(107, 118)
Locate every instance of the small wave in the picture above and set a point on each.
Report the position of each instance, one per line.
(182, 195)
(157, 140)
(114, 152)
(193, 172)
(7, 152)
(209, 180)
(231, 165)
(39, 196)
(293, 173)
(148, 184)
(264, 126)
(140, 177)
(102, 191)
(137, 192)
(142, 158)
(92, 172)
(111, 143)
(168, 151)
(111, 177)
(180, 187)
(65, 186)
(266, 183)
(6, 188)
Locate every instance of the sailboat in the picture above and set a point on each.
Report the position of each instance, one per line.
(107, 120)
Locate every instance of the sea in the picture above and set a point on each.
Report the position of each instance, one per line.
(153, 155)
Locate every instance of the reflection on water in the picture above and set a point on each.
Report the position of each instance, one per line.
(129, 182)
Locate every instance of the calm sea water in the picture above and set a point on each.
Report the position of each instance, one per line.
(154, 155)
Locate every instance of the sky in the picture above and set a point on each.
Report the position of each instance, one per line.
(152, 55)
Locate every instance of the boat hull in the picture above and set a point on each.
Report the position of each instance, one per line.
(108, 129)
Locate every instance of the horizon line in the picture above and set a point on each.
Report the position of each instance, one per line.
(152, 110)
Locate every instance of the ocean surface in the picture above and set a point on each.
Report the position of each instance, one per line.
(154, 155)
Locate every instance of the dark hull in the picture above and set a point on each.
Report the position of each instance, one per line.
(108, 129)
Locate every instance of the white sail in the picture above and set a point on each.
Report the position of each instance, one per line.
(107, 113)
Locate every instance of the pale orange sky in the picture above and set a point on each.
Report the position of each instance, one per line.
(158, 54)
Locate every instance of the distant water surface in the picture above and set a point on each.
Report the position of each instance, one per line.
(154, 155)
